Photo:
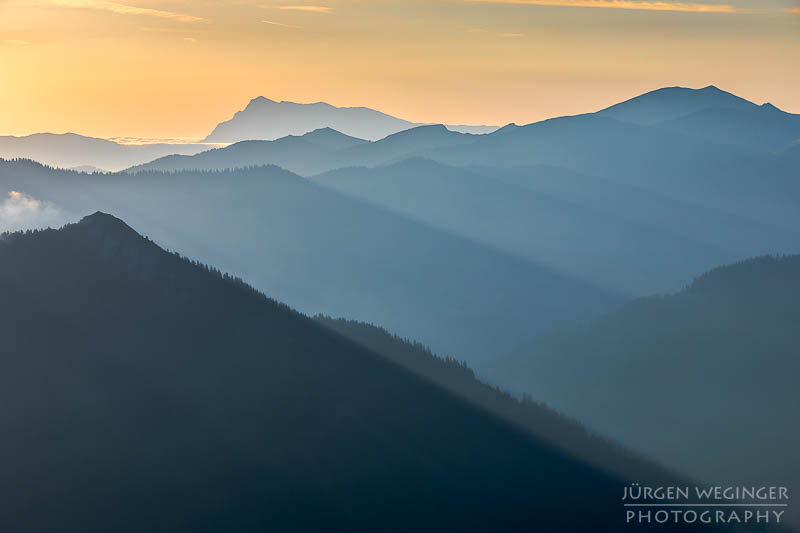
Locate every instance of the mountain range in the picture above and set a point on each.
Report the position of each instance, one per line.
(315, 152)
(526, 252)
(69, 150)
(322, 251)
(698, 157)
(701, 378)
(267, 119)
(585, 211)
(143, 391)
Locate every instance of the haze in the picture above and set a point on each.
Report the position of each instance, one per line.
(175, 68)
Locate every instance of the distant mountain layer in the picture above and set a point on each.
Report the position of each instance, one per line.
(713, 114)
(763, 128)
(316, 151)
(322, 251)
(755, 183)
(70, 151)
(704, 379)
(707, 114)
(265, 119)
(180, 399)
(625, 238)
(670, 103)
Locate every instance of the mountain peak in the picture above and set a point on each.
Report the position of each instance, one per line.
(324, 133)
(101, 218)
(332, 138)
(670, 103)
(427, 130)
(262, 100)
(100, 223)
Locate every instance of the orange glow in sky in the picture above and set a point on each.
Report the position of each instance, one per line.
(175, 68)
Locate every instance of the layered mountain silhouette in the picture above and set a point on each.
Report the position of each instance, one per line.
(704, 146)
(315, 152)
(670, 103)
(305, 154)
(757, 184)
(70, 150)
(142, 391)
(627, 239)
(418, 215)
(711, 113)
(323, 251)
(267, 119)
(704, 379)
(763, 128)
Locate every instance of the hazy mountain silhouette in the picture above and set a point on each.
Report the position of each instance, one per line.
(703, 146)
(751, 183)
(307, 154)
(763, 127)
(402, 145)
(142, 391)
(670, 103)
(316, 152)
(567, 221)
(322, 251)
(70, 150)
(458, 378)
(703, 379)
(265, 119)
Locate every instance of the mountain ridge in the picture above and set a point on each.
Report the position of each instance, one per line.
(727, 340)
(266, 119)
(182, 398)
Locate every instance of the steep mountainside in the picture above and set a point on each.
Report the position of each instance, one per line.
(704, 379)
(144, 392)
(458, 378)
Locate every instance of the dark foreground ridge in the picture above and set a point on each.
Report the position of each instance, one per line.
(143, 392)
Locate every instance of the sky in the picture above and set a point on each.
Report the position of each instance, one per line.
(175, 68)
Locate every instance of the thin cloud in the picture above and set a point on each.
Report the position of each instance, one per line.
(313, 9)
(686, 7)
(513, 34)
(21, 211)
(793, 10)
(17, 41)
(281, 24)
(124, 9)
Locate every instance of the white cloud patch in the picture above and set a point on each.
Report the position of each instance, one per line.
(19, 211)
